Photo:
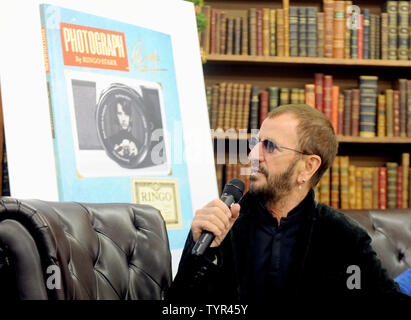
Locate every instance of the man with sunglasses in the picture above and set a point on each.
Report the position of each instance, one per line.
(278, 243)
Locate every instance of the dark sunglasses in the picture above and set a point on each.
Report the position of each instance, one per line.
(269, 145)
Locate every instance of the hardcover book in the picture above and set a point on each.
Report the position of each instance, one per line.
(368, 105)
(328, 6)
(293, 31)
(392, 11)
(302, 32)
(335, 183)
(392, 185)
(382, 183)
(311, 32)
(113, 101)
(339, 29)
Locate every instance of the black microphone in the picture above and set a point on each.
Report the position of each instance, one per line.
(232, 192)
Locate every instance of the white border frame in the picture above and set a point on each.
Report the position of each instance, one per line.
(25, 103)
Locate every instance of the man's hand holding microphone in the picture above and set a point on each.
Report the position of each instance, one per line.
(212, 222)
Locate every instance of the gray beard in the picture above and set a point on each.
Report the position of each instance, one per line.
(277, 187)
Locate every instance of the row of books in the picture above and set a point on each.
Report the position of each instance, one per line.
(364, 111)
(345, 186)
(340, 31)
(225, 173)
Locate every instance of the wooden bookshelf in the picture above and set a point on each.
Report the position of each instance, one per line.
(210, 58)
(341, 139)
(264, 71)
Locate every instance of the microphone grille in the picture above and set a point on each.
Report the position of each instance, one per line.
(235, 187)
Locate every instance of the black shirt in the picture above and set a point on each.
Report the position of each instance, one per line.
(273, 251)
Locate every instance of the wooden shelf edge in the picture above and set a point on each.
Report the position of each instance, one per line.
(306, 60)
(341, 139)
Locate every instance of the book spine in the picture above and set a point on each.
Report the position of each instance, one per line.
(368, 105)
(391, 185)
(259, 32)
(223, 33)
(220, 33)
(234, 108)
(358, 188)
(389, 97)
(403, 29)
(311, 31)
(405, 163)
(400, 178)
(409, 45)
(344, 193)
(274, 97)
(310, 94)
(396, 111)
(221, 105)
(286, 8)
(266, 32)
(295, 96)
(402, 85)
(377, 37)
(272, 32)
(247, 107)
(355, 109)
(373, 31)
(339, 29)
(254, 112)
(328, 6)
(381, 128)
(384, 36)
(214, 106)
(366, 33)
(280, 33)
(340, 117)
(294, 32)
(241, 107)
(302, 32)
(319, 83)
(392, 11)
(382, 188)
(347, 113)
(335, 93)
(213, 31)
(335, 183)
(244, 36)
(230, 35)
(284, 96)
(253, 31)
(352, 187)
(206, 10)
(325, 187)
(360, 37)
(409, 108)
(237, 35)
(228, 106)
(209, 95)
(301, 95)
(264, 102)
(374, 188)
(347, 33)
(327, 95)
(354, 43)
(320, 34)
(367, 188)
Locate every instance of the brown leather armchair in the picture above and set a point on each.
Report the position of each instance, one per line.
(68, 250)
(390, 231)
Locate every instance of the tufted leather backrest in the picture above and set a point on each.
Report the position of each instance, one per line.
(391, 236)
(103, 251)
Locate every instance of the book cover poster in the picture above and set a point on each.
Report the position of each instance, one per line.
(115, 115)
